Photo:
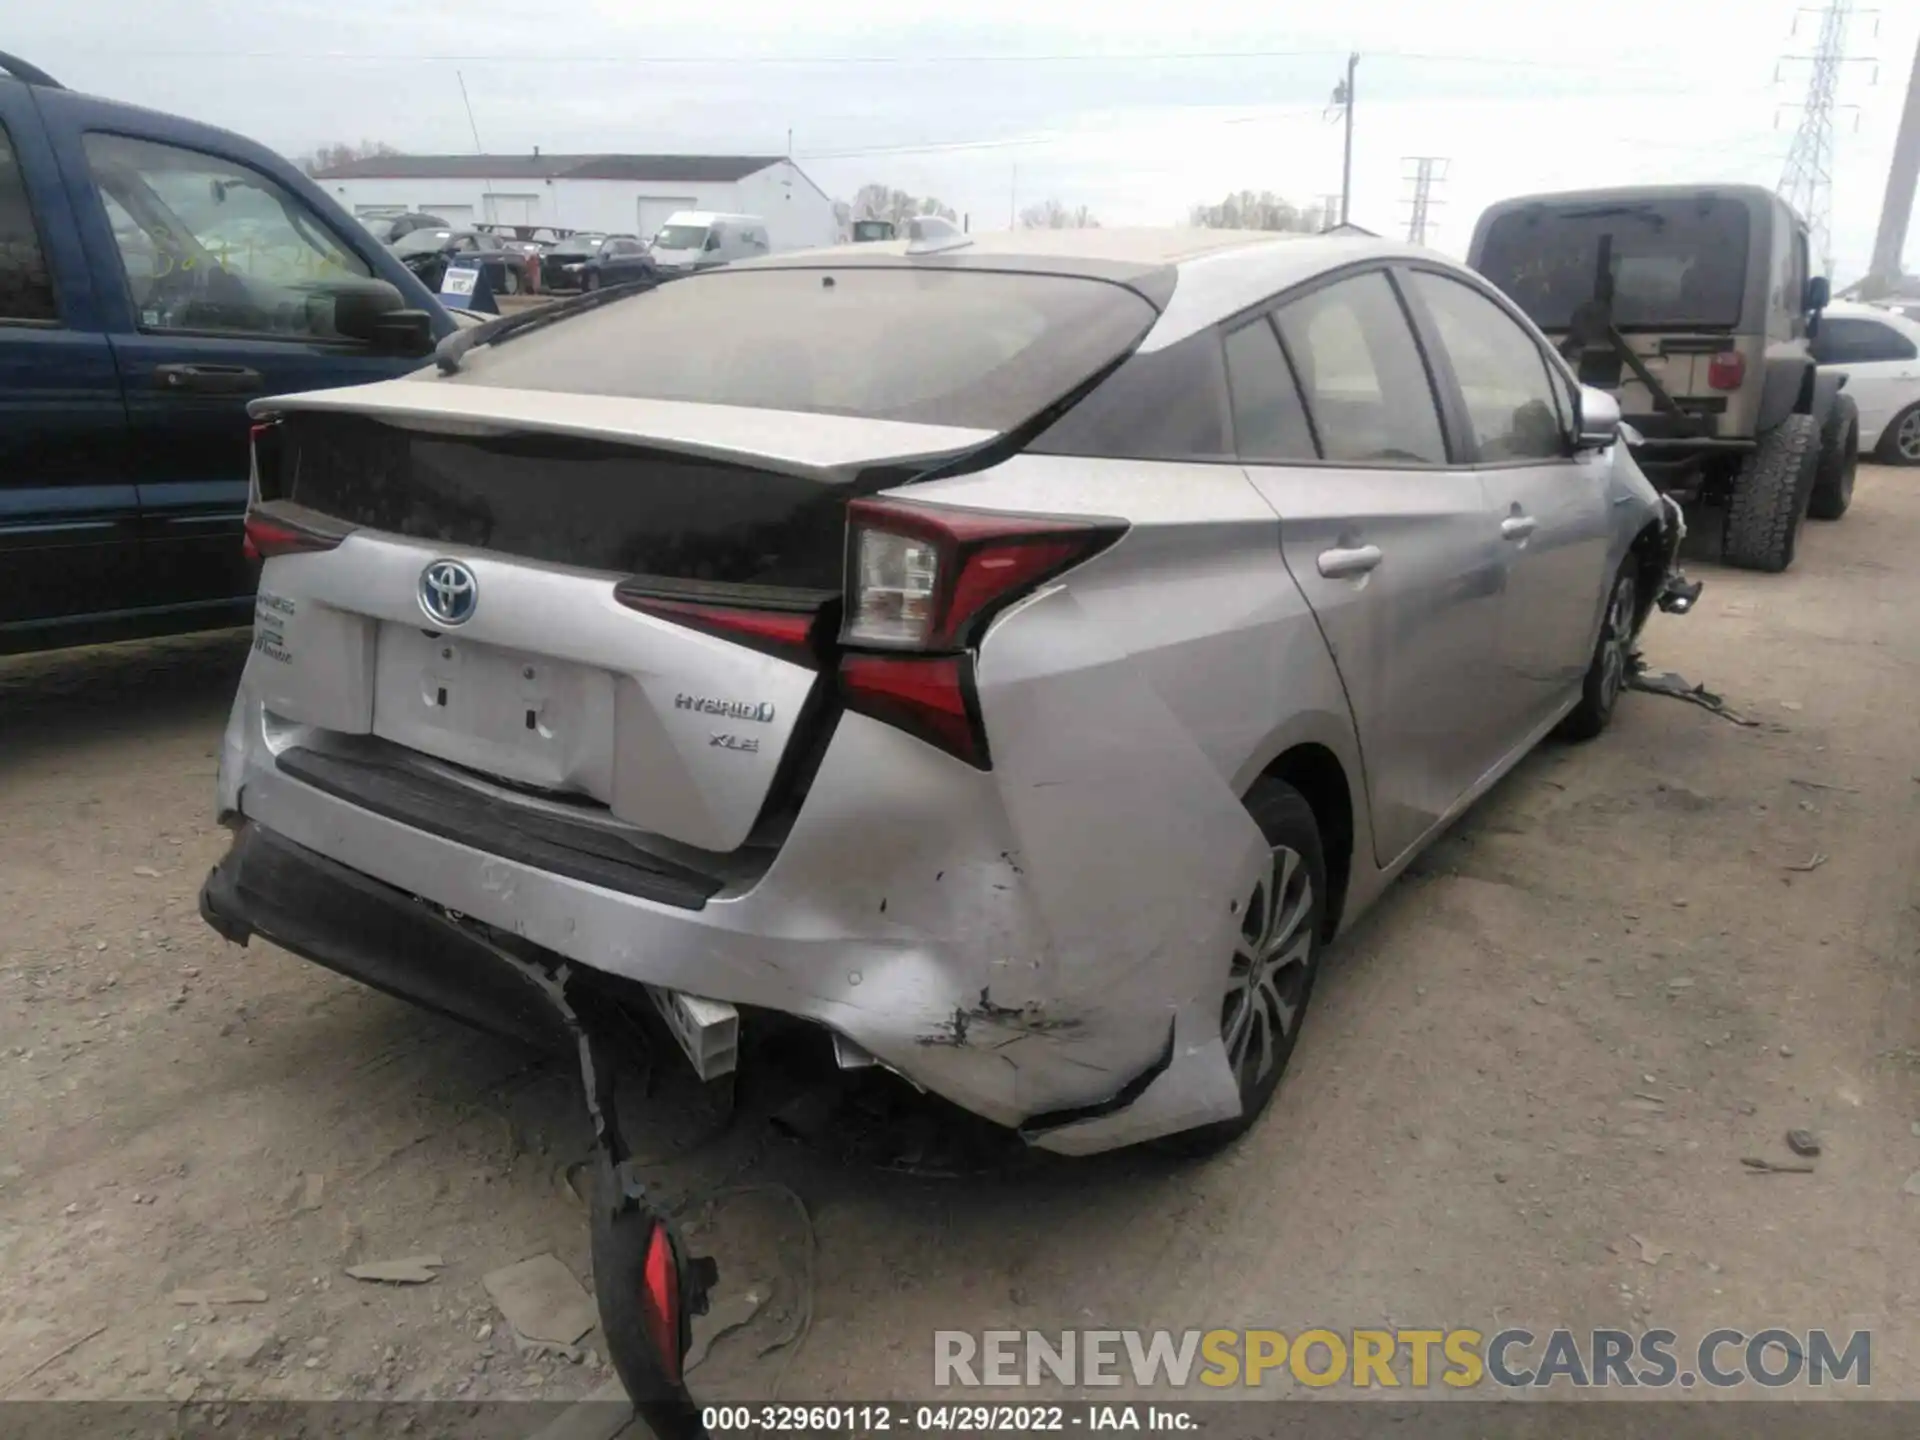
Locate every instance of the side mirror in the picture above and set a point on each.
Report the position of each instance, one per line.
(374, 313)
(1599, 420)
(1819, 293)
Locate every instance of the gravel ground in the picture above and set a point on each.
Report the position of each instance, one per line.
(1524, 1095)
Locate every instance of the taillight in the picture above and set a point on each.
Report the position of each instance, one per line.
(928, 696)
(660, 1301)
(923, 584)
(268, 535)
(785, 634)
(921, 577)
(1727, 370)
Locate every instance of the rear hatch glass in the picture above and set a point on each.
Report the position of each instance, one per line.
(1677, 264)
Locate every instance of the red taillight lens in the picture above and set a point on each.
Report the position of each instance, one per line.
(925, 695)
(268, 535)
(660, 1299)
(1727, 370)
(924, 577)
(786, 634)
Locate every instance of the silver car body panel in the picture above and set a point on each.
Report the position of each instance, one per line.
(1030, 940)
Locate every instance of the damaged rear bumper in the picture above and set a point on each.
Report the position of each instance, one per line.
(1677, 593)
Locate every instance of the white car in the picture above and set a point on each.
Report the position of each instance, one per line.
(1878, 350)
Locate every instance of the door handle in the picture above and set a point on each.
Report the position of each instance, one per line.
(1342, 563)
(1518, 527)
(209, 379)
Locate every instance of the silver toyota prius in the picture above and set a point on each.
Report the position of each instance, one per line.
(1018, 656)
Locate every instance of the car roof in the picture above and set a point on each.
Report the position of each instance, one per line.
(1198, 277)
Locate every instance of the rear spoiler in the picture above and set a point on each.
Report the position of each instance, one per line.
(832, 449)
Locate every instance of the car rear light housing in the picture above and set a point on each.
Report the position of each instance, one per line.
(929, 578)
(923, 584)
(1727, 370)
(269, 534)
(660, 1301)
(783, 628)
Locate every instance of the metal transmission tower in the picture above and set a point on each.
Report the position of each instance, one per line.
(1427, 172)
(1806, 182)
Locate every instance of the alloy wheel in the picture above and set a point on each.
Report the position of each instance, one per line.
(1267, 984)
(1907, 440)
(1616, 643)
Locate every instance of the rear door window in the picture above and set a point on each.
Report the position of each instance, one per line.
(1501, 372)
(1675, 262)
(1851, 340)
(1269, 421)
(1361, 372)
(26, 285)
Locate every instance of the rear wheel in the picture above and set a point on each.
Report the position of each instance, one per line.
(1839, 459)
(1612, 660)
(1275, 959)
(1900, 445)
(1770, 496)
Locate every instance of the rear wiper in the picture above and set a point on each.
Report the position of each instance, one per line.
(451, 350)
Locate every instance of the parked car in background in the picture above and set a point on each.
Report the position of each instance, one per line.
(428, 253)
(701, 239)
(1296, 544)
(620, 260)
(156, 275)
(866, 231)
(1878, 351)
(564, 260)
(389, 228)
(1694, 306)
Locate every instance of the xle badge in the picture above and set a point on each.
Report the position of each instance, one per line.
(735, 742)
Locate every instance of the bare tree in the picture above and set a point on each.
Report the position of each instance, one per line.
(1246, 210)
(341, 152)
(874, 201)
(1057, 215)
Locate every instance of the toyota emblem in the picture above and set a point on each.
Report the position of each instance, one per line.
(448, 592)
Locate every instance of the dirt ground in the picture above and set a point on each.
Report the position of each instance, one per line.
(1523, 1096)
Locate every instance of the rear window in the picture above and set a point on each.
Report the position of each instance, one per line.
(978, 349)
(1675, 262)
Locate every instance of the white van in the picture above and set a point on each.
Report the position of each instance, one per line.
(695, 239)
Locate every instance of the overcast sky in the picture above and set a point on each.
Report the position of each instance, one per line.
(1135, 111)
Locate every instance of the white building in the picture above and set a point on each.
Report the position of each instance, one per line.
(618, 194)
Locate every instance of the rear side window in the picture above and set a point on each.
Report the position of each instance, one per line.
(26, 285)
(1361, 372)
(1269, 422)
(1675, 262)
(1846, 340)
(1167, 404)
(977, 349)
(1502, 374)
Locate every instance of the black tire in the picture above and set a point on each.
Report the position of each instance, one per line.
(1607, 675)
(1900, 441)
(1261, 1023)
(1770, 496)
(1839, 460)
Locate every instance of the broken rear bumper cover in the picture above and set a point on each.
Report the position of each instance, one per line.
(932, 953)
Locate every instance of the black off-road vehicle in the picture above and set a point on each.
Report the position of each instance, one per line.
(1694, 305)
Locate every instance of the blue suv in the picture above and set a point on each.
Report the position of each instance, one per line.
(155, 276)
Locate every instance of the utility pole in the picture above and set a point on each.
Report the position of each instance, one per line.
(1343, 100)
(1806, 182)
(1428, 171)
(1896, 211)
